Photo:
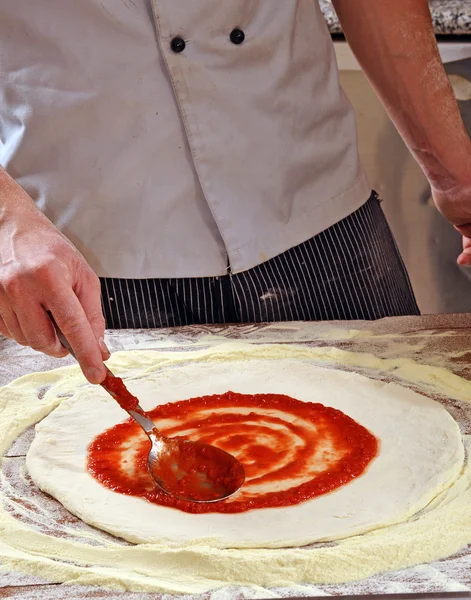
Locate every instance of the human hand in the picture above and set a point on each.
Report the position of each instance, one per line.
(454, 202)
(41, 270)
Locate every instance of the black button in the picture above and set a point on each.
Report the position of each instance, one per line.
(178, 44)
(237, 36)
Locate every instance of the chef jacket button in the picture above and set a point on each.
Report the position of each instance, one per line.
(237, 36)
(178, 44)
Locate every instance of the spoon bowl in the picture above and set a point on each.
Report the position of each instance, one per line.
(194, 471)
(191, 471)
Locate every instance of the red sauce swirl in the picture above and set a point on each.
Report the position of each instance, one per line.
(291, 450)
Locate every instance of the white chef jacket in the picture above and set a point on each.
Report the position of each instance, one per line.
(160, 146)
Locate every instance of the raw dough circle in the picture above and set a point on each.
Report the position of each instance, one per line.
(89, 557)
(421, 453)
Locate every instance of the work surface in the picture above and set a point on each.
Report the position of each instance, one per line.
(437, 340)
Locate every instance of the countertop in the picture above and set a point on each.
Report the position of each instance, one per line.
(427, 339)
(450, 17)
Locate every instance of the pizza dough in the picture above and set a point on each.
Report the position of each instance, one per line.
(421, 454)
(86, 557)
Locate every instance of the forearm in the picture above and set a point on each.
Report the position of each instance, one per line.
(13, 199)
(395, 44)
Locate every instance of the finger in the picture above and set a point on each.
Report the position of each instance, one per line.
(71, 319)
(39, 331)
(88, 292)
(464, 259)
(10, 321)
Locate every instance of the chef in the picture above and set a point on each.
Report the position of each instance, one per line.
(169, 162)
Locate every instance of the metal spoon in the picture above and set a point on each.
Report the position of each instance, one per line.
(191, 471)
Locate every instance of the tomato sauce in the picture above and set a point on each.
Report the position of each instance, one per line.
(120, 392)
(291, 451)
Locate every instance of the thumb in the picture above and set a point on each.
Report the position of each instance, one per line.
(464, 229)
(464, 259)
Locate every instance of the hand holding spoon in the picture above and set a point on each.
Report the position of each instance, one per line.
(192, 471)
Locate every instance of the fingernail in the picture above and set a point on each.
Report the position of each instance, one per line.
(104, 349)
(93, 375)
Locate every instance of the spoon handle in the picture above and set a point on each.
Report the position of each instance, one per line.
(139, 415)
(61, 337)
